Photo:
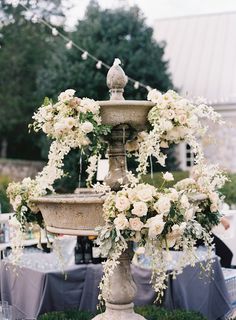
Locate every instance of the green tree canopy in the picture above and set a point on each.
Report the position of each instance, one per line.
(107, 34)
(24, 48)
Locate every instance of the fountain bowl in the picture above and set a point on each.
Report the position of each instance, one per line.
(131, 112)
(72, 214)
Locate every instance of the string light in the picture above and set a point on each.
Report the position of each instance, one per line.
(54, 32)
(136, 85)
(69, 44)
(99, 64)
(34, 19)
(84, 55)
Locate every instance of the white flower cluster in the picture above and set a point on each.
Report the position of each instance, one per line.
(173, 119)
(163, 218)
(68, 122)
(70, 118)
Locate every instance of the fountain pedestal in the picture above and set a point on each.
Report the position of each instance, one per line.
(121, 293)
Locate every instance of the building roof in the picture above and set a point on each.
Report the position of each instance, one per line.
(202, 54)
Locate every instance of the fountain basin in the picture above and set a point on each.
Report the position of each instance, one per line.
(72, 214)
(131, 112)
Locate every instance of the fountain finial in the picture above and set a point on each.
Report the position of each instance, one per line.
(116, 80)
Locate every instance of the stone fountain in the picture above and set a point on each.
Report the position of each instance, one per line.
(80, 213)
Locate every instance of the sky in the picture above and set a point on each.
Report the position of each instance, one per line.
(158, 9)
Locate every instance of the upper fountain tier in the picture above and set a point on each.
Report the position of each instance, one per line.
(79, 214)
(117, 110)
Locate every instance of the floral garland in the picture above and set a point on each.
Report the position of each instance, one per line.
(173, 119)
(160, 219)
(71, 123)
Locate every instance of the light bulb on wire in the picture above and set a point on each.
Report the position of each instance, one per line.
(84, 55)
(54, 32)
(136, 85)
(69, 45)
(34, 19)
(99, 64)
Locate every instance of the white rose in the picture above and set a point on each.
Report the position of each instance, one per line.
(69, 122)
(86, 127)
(163, 205)
(168, 176)
(156, 226)
(132, 195)
(154, 96)
(176, 229)
(47, 127)
(184, 202)
(189, 213)
(59, 127)
(214, 208)
(181, 118)
(168, 113)
(17, 202)
(173, 195)
(66, 95)
(185, 183)
(26, 182)
(140, 209)
(135, 224)
(146, 193)
(121, 222)
(89, 105)
(183, 226)
(122, 203)
(165, 125)
(214, 197)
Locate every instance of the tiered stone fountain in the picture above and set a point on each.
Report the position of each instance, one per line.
(79, 214)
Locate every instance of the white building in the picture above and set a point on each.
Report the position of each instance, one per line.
(202, 60)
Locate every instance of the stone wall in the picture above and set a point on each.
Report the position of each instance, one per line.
(19, 169)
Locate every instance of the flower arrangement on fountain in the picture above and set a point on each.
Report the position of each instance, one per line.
(173, 119)
(159, 219)
(71, 123)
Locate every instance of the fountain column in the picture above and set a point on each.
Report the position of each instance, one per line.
(122, 288)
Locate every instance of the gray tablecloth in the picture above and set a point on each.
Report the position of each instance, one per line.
(34, 292)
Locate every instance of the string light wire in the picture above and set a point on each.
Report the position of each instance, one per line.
(85, 54)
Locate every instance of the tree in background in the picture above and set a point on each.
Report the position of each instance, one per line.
(24, 48)
(35, 64)
(107, 34)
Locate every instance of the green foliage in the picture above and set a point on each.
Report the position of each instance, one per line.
(67, 315)
(149, 312)
(157, 178)
(24, 47)
(154, 313)
(229, 190)
(5, 205)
